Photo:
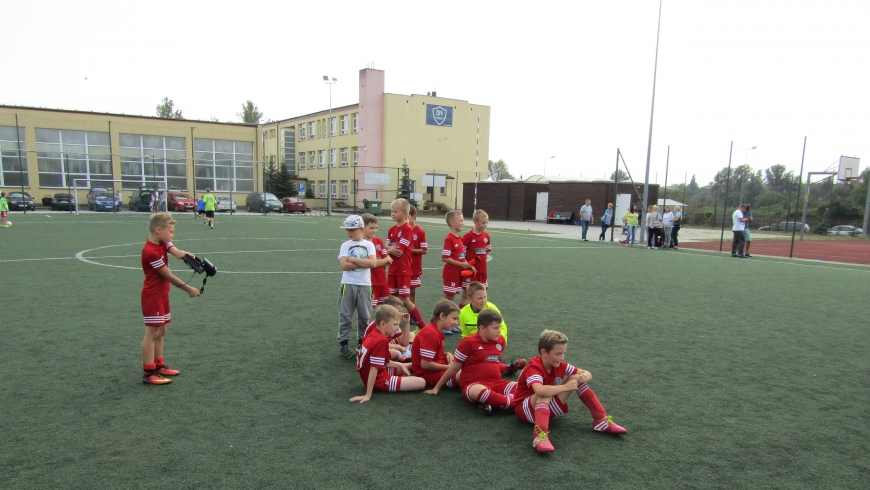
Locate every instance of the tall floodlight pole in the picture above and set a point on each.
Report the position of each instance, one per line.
(651, 112)
(329, 81)
(743, 180)
(545, 164)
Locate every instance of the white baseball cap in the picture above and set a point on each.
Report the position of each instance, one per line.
(352, 222)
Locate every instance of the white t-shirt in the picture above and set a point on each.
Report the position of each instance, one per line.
(738, 225)
(361, 249)
(667, 218)
(586, 212)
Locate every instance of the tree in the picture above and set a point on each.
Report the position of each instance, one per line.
(214, 119)
(281, 184)
(499, 171)
(620, 175)
(692, 189)
(165, 110)
(250, 113)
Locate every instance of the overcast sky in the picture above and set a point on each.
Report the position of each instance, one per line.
(571, 79)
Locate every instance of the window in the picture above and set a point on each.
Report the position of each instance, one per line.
(344, 124)
(344, 157)
(13, 170)
(64, 156)
(224, 165)
(290, 150)
(355, 156)
(332, 126)
(356, 122)
(344, 189)
(332, 188)
(147, 158)
(332, 157)
(321, 189)
(301, 160)
(312, 160)
(311, 133)
(322, 159)
(302, 132)
(443, 191)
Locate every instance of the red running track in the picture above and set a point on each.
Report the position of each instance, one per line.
(847, 250)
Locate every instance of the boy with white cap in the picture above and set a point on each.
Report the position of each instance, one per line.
(356, 257)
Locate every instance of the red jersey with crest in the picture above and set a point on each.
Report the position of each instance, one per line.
(481, 360)
(374, 353)
(400, 237)
(429, 345)
(155, 257)
(536, 373)
(418, 242)
(454, 249)
(379, 274)
(476, 248)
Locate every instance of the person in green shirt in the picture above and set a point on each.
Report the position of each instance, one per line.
(210, 202)
(4, 210)
(630, 219)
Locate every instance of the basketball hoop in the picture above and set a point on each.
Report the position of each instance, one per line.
(849, 169)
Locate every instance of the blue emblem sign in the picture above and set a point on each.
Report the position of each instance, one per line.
(438, 115)
(301, 186)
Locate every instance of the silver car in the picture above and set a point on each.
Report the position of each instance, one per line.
(224, 203)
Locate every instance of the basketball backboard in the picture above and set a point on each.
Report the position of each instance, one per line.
(849, 168)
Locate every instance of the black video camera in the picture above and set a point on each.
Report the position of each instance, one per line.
(200, 265)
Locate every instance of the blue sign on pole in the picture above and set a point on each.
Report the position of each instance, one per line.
(439, 115)
(301, 186)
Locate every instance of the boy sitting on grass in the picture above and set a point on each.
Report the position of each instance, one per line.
(544, 387)
(477, 296)
(428, 359)
(401, 339)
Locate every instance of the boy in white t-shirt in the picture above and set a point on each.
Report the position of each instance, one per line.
(356, 256)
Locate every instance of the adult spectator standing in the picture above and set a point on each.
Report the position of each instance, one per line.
(747, 236)
(118, 200)
(606, 221)
(667, 221)
(586, 217)
(677, 223)
(654, 220)
(739, 229)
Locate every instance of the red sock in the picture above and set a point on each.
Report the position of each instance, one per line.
(159, 362)
(587, 396)
(148, 367)
(496, 400)
(542, 416)
(415, 314)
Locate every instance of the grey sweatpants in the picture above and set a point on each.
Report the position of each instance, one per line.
(352, 297)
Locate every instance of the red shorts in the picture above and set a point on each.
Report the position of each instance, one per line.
(379, 294)
(452, 279)
(399, 285)
(526, 412)
(3, 214)
(479, 277)
(155, 309)
(432, 378)
(386, 382)
(503, 386)
(415, 281)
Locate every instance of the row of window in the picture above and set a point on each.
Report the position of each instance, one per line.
(317, 129)
(335, 185)
(317, 159)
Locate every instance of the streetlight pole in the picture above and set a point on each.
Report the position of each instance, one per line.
(329, 81)
(743, 180)
(545, 164)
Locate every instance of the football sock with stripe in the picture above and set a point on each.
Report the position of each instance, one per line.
(542, 416)
(587, 396)
(496, 400)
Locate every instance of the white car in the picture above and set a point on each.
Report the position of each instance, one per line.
(847, 230)
(224, 203)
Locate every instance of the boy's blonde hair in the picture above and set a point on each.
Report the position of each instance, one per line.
(550, 339)
(395, 302)
(402, 204)
(452, 215)
(474, 287)
(487, 317)
(478, 215)
(369, 219)
(443, 307)
(161, 220)
(413, 210)
(386, 313)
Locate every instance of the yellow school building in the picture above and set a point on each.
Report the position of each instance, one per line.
(443, 141)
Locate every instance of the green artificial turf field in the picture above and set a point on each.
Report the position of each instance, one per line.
(727, 373)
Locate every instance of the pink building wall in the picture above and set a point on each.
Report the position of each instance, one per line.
(371, 130)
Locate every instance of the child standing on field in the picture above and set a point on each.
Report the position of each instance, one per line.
(210, 205)
(380, 289)
(399, 246)
(419, 247)
(4, 210)
(155, 296)
(453, 256)
(544, 387)
(356, 257)
(477, 245)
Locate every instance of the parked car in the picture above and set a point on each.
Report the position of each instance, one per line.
(140, 200)
(19, 201)
(262, 202)
(101, 199)
(224, 203)
(294, 205)
(847, 230)
(784, 226)
(181, 202)
(62, 200)
(46, 200)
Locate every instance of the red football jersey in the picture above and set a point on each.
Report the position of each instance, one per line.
(476, 248)
(400, 237)
(418, 242)
(454, 249)
(379, 274)
(481, 360)
(155, 257)
(374, 353)
(429, 345)
(535, 372)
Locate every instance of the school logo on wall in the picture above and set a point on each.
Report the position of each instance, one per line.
(437, 115)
